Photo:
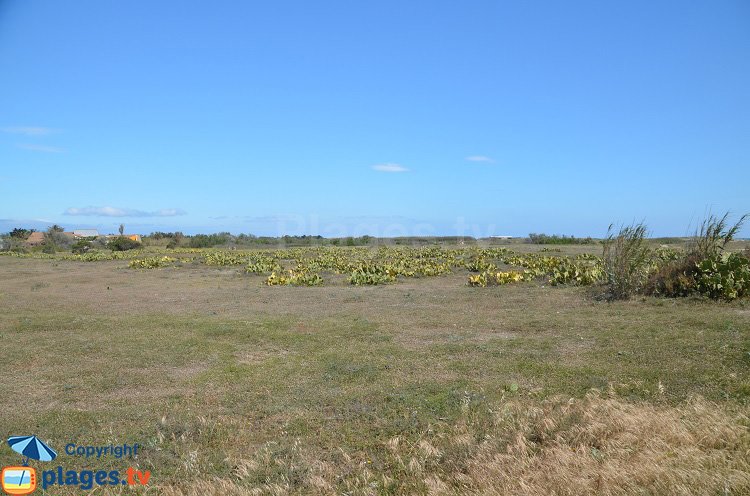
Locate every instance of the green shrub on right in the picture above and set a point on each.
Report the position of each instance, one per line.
(724, 277)
(707, 268)
(718, 276)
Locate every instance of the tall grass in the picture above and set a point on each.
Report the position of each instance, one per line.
(626, 260)
(713, 235)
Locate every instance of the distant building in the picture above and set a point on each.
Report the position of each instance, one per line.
(35, 239)
(85, 233)
(502, 237)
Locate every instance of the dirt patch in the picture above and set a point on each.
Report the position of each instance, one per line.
(258, 356)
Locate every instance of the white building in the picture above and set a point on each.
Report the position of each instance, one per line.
(85, 233)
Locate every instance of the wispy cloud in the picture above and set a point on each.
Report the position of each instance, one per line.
(390, 168)
(480, 158)
(29, 130)
(122, 212)
(41, 148)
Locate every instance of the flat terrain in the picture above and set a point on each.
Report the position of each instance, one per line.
(422, 386)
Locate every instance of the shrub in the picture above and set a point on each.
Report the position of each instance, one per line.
(81, 246)
(55, 236)
(726, 277)
(208, 240)
(49, 247)
(626, 261)
(674, 278)
(18, 248)
(121, 243)
(21, 233)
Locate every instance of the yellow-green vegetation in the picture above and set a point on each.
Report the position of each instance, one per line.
(724, 276)
(222, 258)
(490, 277)
(660, 270)
(151, 262)
(260, 263)
(298, 277)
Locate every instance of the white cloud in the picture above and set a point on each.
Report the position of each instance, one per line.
(390, 168)
(41, 148)
(167, 212)
(29, 130)
(122, 212)
(480, 158)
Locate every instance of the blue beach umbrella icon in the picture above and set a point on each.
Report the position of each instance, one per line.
(31, 447)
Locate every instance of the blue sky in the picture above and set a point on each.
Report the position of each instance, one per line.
(385, 117)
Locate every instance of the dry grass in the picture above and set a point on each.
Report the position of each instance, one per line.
(598, 445)
(605, 446)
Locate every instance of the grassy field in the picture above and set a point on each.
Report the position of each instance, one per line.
(422, 386)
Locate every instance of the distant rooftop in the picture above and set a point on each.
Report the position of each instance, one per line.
(35, 238)
(85, 233)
